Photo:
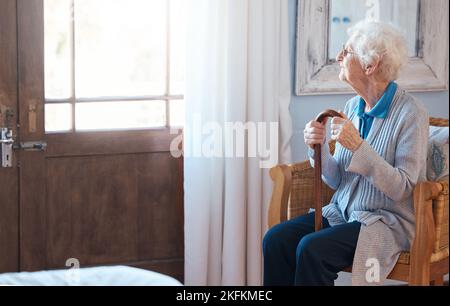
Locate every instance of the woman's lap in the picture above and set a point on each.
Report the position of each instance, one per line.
(299, 233)
(295, 254)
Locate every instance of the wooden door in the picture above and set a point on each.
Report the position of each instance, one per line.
(9, 207)
(103, 198)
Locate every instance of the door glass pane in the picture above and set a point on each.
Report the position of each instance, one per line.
(120, 115)
(58, 117)
(177, 110)
(177, 45)
(120, 47)
(57, 49)
(346, 13)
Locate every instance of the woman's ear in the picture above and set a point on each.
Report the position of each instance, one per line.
(371, 68)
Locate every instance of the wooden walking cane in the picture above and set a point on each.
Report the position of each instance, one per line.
(318, 172)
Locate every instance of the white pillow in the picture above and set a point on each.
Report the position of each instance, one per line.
(437, 159)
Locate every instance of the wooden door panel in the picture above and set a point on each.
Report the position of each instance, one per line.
(89, 201)
(9, 221)
(32, 212)
(112, 209)
(9, 208)
(159, 199)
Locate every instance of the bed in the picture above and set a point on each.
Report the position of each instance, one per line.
(98, 276)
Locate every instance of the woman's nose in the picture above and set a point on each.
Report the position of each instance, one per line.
(339, 57)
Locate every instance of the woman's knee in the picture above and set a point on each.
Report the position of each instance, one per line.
(287, 235)
(310, 246)
(273, 238)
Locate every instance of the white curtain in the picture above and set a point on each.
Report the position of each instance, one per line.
(237, 71)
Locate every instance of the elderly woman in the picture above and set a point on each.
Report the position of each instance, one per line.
(380, 156)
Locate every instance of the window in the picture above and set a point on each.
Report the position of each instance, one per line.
(113, 64)
(321, 32)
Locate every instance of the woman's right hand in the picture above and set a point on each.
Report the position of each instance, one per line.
(315, 133)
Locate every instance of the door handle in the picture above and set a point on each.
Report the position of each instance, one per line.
(6, 145)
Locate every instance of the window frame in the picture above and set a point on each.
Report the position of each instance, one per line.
(315, 75)
(167, 97)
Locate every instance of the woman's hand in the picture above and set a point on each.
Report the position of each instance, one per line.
(315, 133)
(344, 132)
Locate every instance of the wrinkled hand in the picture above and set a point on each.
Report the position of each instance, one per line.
(344, 132)
(315, 133)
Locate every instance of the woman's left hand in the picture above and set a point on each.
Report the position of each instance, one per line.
(344, 132)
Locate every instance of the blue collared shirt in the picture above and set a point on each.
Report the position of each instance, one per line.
(380, 110)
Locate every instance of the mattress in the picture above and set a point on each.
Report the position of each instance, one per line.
(98, 276)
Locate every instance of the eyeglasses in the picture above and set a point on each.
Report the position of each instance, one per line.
(345, 52)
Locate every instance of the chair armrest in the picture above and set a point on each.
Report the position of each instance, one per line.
(278, 208)
(425, 236)
(441, 219)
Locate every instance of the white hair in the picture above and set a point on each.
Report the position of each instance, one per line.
(372, 40)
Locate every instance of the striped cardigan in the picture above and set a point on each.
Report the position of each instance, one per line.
(375, 185)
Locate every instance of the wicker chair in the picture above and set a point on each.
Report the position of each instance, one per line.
(428, 260)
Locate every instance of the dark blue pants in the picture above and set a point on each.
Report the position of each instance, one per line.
(296, 255)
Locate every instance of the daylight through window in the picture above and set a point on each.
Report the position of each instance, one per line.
(114, 64)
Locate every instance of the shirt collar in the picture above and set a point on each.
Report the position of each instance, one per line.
(381, 109)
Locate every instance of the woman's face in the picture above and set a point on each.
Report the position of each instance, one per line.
(351, 70)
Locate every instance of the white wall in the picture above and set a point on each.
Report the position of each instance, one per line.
(304, 109)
